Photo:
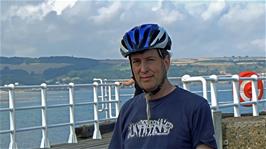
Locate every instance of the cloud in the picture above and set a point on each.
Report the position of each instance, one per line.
(29, 11)
(40, 10)
(94, 28)
(169, 16)
(60, 5)
(243, 13)
(157, 6)
(150, 12)
(215, 8)
(106, 14)
(195, 9)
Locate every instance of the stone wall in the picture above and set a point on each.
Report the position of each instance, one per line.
(245, 132)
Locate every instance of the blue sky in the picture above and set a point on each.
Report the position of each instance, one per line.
(93, 28)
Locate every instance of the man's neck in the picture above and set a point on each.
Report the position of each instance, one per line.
(166, 89)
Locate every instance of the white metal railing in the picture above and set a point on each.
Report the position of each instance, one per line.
(45, 143)
(213, 79)
(106, 92)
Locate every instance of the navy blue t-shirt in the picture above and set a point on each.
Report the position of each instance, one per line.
(180, 120)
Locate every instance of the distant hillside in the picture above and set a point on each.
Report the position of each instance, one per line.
(64, 69)
(59, 69)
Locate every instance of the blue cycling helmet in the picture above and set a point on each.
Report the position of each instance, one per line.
(143, 37)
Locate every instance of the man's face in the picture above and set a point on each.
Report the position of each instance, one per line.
(149, 69)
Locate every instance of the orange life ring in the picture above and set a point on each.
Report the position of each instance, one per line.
(245, 87)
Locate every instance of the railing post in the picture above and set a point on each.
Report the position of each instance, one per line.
(96, 133)
(102, 96)
(102, 109)
(184, 81)
(110, 99)
(117, 103)
(204, 87)
(255, 95)
(45, 142)
(105, 99)
(12, 116)
(235, 83)
(217, 123)
(214, 101)
(72, 135)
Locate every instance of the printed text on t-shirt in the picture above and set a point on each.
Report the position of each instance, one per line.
(144, 128)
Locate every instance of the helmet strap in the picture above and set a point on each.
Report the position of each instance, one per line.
(160, 53)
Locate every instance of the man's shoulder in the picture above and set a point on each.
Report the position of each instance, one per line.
(188, 96)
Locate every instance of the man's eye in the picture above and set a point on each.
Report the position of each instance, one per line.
(151, 60)
(135, 62)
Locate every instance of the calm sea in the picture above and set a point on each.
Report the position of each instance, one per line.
(57, 135)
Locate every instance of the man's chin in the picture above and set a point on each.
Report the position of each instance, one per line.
(148, 89)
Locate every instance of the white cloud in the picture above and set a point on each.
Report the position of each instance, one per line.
(244, 13)
(195, 9)
(169, 17)
(60, 5)
(155, 11)
(157, 6)
(39, 11)
(215, 8)
(29, 11)
(106, 14)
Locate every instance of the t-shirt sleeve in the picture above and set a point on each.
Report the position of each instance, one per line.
(203, 131)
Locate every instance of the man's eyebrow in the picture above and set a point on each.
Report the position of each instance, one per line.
(150, 57)
(135, 58)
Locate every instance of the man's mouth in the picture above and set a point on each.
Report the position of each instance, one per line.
(145, 78)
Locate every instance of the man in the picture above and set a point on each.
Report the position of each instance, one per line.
(164, 116)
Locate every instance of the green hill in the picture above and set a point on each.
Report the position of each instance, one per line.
(60, 69)
(64, 69)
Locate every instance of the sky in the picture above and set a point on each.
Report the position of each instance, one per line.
(94, 28)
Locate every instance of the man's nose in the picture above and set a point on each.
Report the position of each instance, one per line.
(143, 67)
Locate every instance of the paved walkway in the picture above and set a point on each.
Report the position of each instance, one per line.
(87, 143)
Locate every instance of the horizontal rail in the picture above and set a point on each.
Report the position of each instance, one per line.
(5, 131)
(58, 125)
(4, 109)
(29, 128)
(29, 108)
(84, 103)
(59, 105)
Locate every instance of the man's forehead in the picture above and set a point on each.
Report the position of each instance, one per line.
(146, 53)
